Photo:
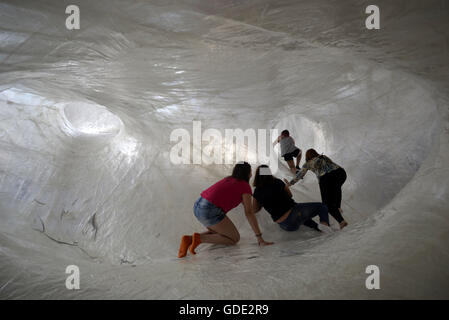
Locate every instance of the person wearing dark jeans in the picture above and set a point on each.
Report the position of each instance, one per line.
(330, 187)
(302, 213)
(331, 178)
(275, 197)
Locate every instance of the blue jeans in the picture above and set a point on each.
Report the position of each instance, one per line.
(302, 213)
(208, 213)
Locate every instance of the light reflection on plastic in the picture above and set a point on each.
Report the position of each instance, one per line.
(168, 109)
(128, 145)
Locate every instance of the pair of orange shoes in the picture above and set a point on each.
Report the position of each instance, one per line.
(190, 243)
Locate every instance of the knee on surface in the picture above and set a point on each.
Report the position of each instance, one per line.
(235, 238)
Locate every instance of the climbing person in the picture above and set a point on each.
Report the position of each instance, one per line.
(289, 150)
(276, 198)
(213, 205)
(330, 177)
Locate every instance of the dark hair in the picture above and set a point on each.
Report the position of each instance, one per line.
(285, 133)
(262, 179)
(241, 171)
(310, 154)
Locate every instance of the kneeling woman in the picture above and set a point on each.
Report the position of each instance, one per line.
(275, 197)
(213, 204)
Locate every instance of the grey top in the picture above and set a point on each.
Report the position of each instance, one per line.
(287, 145)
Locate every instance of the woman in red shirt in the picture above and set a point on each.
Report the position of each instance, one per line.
(213, 204)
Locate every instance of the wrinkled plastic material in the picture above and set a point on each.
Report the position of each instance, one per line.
(85, 123)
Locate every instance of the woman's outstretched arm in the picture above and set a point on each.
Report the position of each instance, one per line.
(298, 177)
(252, 219)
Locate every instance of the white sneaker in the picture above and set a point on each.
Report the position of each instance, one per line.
(325, 229)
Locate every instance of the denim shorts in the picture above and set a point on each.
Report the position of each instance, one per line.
(207, 213)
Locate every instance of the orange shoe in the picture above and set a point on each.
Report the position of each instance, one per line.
(186, 241)
(196, 240)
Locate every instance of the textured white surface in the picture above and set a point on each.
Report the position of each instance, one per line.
(86, 116)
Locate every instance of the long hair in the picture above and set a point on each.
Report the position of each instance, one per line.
(310, 154)
(241, 171)
(262, 179)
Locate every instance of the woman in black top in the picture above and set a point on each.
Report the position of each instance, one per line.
(275, 196)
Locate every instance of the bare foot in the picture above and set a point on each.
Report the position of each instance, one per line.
(343, 224)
